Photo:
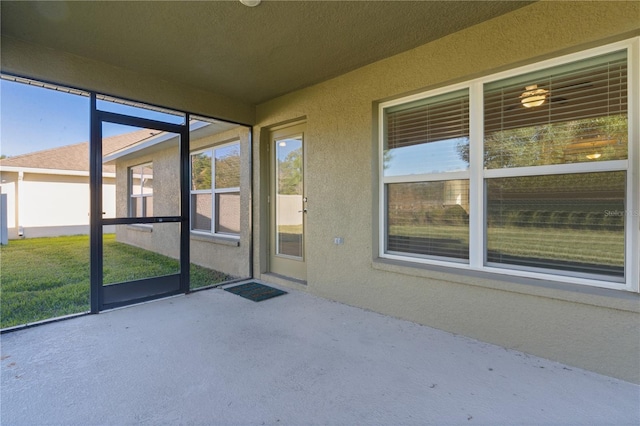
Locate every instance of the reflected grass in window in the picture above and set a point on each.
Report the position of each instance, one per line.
(558, 222)
(429, 219)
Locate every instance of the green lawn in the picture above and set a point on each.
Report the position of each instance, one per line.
(44, 278)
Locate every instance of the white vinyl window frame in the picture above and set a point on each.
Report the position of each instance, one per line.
(212, 191)
(457, 121)
(477, 175)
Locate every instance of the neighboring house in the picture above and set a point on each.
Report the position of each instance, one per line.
(48, 191)
(484, 182)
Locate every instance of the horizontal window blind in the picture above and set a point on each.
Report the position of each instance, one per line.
(429, 218)
(583, 113)
(570, 223)
(436, 119)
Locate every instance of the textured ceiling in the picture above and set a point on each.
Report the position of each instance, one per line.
(248, 54)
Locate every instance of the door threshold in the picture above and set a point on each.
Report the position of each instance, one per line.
(142, 302)
(277, 278)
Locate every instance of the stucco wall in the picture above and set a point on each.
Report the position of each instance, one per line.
(590, 328)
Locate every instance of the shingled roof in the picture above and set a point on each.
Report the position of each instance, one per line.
(76, 157)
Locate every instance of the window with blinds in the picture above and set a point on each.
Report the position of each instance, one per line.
(428, 136)
(567, 114)
(426, 155)
(573, 113)
(570, 223)
(429, 219)
(531, 175)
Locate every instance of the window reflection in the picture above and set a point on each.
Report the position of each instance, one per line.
(561, 222)
(289, 202)
(429, 218)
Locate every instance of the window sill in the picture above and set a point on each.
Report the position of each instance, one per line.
(216, 239)
(576, 293)
(140, 228)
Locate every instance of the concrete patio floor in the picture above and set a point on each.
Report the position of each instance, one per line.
(212, 357)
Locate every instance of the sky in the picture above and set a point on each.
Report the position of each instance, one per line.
(434, 157)
(33, 118)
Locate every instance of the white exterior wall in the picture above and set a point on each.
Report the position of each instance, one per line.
(53, 204)
(47, 205)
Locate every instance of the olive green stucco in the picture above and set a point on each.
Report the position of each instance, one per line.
(596, 330)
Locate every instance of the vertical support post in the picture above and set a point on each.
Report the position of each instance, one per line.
(95, 215)
(185, 185)
(251, 182)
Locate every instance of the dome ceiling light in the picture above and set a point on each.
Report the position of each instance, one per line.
(533, 97)
(251, 3)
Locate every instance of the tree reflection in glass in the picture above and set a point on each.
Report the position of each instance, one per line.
(289, 193)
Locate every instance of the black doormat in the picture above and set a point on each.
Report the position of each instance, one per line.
(256, 292)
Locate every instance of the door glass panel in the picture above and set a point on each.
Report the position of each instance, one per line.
(141, 183)
(116, 139)
(289, 197)
(141, 169)
(137, 252)
(141, 179)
